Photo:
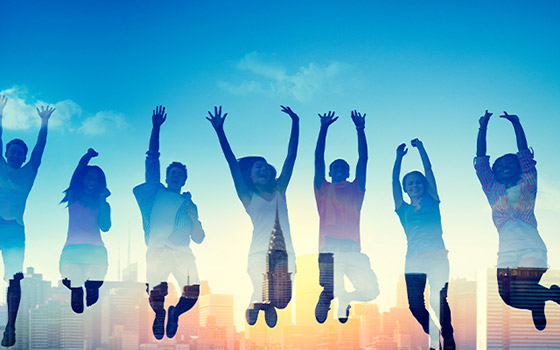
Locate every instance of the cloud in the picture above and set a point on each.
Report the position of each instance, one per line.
(20, 114)
(272, 79)
(548, 194)
(101, 122)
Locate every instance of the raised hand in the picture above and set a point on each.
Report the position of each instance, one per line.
(358, 119)
(158, 116)
(45, 113)
(416, 143)
(511, 117)
(3, 101)
(216, 119)
(92, 153)
(483, 121)
(289, 112)
(401, 150)
(327, 118)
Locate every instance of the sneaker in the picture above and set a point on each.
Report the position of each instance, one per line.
(9, 338)
(158, 326)
(344, 319)
(323, 307)
(270, 316)
(172, 322)
(92, 291)
(539, 319)
(252, 313)
(449, 343)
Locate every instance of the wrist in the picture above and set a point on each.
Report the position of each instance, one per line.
(360, 127)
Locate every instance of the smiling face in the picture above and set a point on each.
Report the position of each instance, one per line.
(339, 170)
(414, 185)
(15, 155)
(261, 173)
(176, 178)
(507, 169)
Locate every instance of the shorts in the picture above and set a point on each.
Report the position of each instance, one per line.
(81, 262)
(163, 261)
(12, 244)
(538, 258)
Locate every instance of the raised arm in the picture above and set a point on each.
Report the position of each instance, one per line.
(84, 161)
(152, 159)
(243, 191)
(37, 153)
(519, 133)
(430, 178)
(3, 101)
(481, 139)
(361, 166)
(288, 167)
(326, 120)
(397, 188)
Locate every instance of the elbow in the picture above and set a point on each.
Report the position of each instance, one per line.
(105, 227)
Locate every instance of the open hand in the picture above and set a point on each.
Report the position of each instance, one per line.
(327, 118)
(358, 119)
(483, 121)
(158, 116)
(216, 119)
(45, 113)
(511, 117)
(401, 150)
(289, 112)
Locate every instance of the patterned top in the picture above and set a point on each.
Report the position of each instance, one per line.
(496, 192)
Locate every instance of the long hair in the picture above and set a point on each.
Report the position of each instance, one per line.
(246, 165)
(76, 191)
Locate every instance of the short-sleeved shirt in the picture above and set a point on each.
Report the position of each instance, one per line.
(15, 185)
(339, 206)
(83, 225)
(422, 226)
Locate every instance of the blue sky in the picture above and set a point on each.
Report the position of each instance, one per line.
(426, 70)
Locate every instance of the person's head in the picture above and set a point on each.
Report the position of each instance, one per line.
(415, 184)
(87, 186)
(16, 153)
(339, 170)
(257, 173)
(507, 169)
(176, 176)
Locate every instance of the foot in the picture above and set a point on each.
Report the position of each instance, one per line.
(18, 276)
(539, 319)
(77, 300)
(344, 317)
(157, 300)
(9, 338)
(66, 282)
(448, 343)
(172, 322)
(323, 307)
(92, 291)
(158, 327)
(556, 298)
(270, 316)
(252, 313)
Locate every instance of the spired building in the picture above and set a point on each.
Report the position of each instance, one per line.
(277, 282)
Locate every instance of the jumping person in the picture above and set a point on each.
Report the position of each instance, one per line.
(16, 181)
(264, 198)
(84, 257)
(511, 188)
(170, 221)
(339, 203)
(426, 256)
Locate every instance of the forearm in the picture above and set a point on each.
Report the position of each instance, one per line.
(154, 139)
(397, 169)
(362, 145)
(293, 143)
(520, 136)
(40, 145)
(425, 159)
(226, 148)
(481, 142)
(197, 234)
(104, 216)
(84, 161)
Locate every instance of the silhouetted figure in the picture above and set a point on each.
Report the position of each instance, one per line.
(339, 203)
(261, 194)
(426, 256)
(16, 180)
(84, 257)
(511, 188)
(170, 221)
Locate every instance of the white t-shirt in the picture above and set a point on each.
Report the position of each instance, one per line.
(162, 220)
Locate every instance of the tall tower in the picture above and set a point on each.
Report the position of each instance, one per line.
(277, 282)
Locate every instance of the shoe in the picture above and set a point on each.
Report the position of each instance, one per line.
(92, 291)
(159, 324)
(172, 322)
(270, 316)
(539, 319)
(9, 338)
(344, 319)
(323, 307)
(554, 288)
(252, 313)
(449, 343)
